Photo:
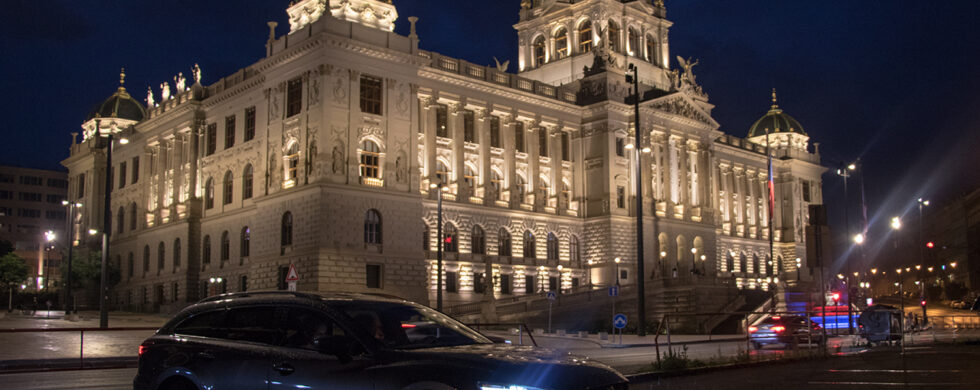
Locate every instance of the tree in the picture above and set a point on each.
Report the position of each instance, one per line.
(85, 273)
(6, 247)
(13, 272)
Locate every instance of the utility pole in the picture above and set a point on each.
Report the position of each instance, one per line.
(638, 180)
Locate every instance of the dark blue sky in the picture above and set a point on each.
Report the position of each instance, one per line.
(893, 82)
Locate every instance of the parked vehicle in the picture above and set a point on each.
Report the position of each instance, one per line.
(280, 340)
(880, 323)
(789, 331)
(958, 305)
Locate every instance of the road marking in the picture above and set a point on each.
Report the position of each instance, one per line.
(885, 384)
(897, 371)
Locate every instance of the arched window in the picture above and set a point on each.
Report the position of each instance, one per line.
(292, 161)
(225, 246)
(741, 263)
(450, 238)
(206, 250)
(730, 262)
(132, 216)
(503, 243)
(228, 188)
(539, 52)
(209, 194)
(161, 259)
(585, 37)
(370, 160)
(176, 254)
(120, 217)
(372, 227)
(634, 43)
(552, 246)
(130, 267)
(247, 177)
(544, 187)
(566, 194)
(769, 265)
(561, 44)
(286, 231)
(246, 244)
(442, 173)
(497, 183)
(469, 176)
(756, 266)
(479, 241)
(651, 49)
(573, 250)
(529, 248)
(613, 37)
(146, 258)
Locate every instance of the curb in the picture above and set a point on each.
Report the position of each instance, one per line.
(22, 366)
(650, 376)
(672, 343)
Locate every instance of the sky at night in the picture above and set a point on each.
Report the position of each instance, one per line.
(892, 82)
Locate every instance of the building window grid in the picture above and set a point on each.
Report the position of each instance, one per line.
(176, 254)
(543, 142)
(370, 160)
(228, 190)
(450, 238)
(161, 256)
(442, 129)
(495, 131)
(478, 239)
(519, 137)
(206, 250)
(286, 231)
(469, 129)
(212, 140)
(371, 95)
(229, 131)
(565, 147)
(249, 132)
(136, 169)
(585, 37)
(247, 179)
(294, 97)
(372, 227)
(552, 247)
(561, 44)
(122, 174)
(529, 245)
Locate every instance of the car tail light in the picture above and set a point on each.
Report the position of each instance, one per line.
(752, 329)
(776, 317)
(778, 328)
(408, 326)
(143, 348)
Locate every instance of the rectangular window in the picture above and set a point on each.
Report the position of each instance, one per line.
(505, 284)
(469, 132)
(58, 183)
(5, 178)
(442, 129)
(624, 274)
(620, 197)
(4, 194)
(229, 131)
(371, 95)
(6, 212)
(575, 282)
(281, 279)
(249, 124)
(136, 169)
(620, 147)
(28, 213)
(519, 136)
(374, 275)
(543, 142)
(212, 139)
(55, 215)
(54, 199)
(553, 284)
(29, 196)
(81, 186)
(495, 131)
(294, 97)
(452, 282)
(565, 147)
(479, 282)
(122, 174)
(31, 180)
(529, 287)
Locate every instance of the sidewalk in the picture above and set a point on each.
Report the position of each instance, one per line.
(52, 350)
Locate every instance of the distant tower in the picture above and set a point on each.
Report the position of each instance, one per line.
(380, 14)
(784, 131)
(558, 38)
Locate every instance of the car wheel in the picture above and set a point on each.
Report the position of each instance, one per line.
(429, 386)
(178, 383)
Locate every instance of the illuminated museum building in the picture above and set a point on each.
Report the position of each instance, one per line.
(328, 154)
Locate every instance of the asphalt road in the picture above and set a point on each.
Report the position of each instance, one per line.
(85, 379)
(923, 367)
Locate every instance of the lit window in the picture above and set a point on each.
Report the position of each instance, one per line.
(634, 42)
(370, 160)
(450, 238)
(496, 183)
(585, 37)
(469, 176)
(561, 44)
(539, 55)
(552, 246)
(620, 197)
(371, 95)
(503, 243)
(442, 173)
(529, 249)
(292, 161)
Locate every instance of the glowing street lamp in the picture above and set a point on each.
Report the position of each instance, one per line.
(859, 239)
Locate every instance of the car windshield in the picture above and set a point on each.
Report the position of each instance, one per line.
(405, 326)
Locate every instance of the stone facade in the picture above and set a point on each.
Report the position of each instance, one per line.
(328, 154)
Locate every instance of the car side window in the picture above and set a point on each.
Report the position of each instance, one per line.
(206, 324)
(309, 329)
(253, 324)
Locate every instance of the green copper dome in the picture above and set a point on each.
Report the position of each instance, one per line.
(776, 121)
(119, 105)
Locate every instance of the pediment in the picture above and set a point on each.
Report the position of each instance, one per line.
(681, 104)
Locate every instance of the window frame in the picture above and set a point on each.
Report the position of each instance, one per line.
(372, 95)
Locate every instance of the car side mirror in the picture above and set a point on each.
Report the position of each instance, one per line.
(339, 346)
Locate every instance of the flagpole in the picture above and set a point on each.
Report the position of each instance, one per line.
(772, 200)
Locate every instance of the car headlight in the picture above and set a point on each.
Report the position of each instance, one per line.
(494, 386)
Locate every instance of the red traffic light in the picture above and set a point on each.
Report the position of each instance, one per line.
(923, 302)
(930, 245)
(449, 239)
(836, 296)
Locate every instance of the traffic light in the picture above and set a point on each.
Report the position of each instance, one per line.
(836, 297)
(922, 303)
(930, 245)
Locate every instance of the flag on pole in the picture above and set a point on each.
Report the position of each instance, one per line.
(769, 179)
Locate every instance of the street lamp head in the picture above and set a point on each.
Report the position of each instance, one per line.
(663, 254)
(560, 267)
(65, 203)
(874, 271)
(930, 269)
(93, 232)
(840, 276)
(694, 250)
(953, 264)
(646, 149)
(852, 166)
(896, 223)
(433, 185)
(703, 257)
(617, 260)
(591, 262)
(630, 146)
(123, 141)
(49, 235)
(859, 239)
(918, 267)
(898, 271)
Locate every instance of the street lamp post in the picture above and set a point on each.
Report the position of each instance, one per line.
(69, 303)
(845, 173)
(49, 238)
(106, 228)
(640, 272)
(922, 250)
(440, 243)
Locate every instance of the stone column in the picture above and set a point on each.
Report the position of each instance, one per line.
(458, 161)
(481, 121)
(428, 121)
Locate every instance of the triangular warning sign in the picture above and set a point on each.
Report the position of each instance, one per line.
(292, 275)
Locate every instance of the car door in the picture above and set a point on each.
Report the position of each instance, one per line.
(215, 354)
(301, 362)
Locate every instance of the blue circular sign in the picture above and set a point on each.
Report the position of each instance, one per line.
(619, 321)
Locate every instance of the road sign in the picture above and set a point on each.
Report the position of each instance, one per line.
(292, 275)
(619, 321)
(552, 296)
(614, 291)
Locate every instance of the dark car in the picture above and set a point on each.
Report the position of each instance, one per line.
(786, 330)
(280, 340)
